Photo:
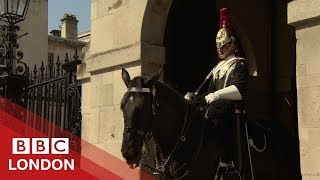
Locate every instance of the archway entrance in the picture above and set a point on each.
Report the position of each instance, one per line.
(268, 43)
(190, 43)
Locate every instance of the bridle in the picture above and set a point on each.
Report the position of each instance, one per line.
(131, 129)
(162, 166)
(142, 90)
(147, 135)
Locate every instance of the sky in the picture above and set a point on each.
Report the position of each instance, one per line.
(57, 8)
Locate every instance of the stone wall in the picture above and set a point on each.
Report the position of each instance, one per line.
(35, 44)
(305, 16)
(124, 35)
(116, 42)
(60, 46)
(84, 36)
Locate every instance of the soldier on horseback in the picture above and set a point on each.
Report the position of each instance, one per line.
(227, 90)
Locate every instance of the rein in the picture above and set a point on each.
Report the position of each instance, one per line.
(162, 167)
(179, 143)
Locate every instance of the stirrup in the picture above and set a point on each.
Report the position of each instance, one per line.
(235, 173)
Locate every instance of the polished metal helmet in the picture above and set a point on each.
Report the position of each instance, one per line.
(225, 34)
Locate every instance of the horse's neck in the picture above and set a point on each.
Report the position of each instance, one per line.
(168, 121)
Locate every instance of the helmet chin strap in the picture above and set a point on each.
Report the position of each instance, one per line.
(229, 51)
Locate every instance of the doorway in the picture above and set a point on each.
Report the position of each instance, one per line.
(269, 46)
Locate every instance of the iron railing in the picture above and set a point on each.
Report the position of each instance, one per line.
(54, 94)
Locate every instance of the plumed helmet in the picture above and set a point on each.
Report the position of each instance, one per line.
(225, 34)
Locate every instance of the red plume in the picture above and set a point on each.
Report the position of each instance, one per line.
(224, 16)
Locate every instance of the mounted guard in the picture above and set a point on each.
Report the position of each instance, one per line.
(227, 90)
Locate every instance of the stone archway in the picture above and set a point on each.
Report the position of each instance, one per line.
(265, 38)
(181, 34)
(156, 50)
(156, 28)
(132, 34)
(153, 51)
(184, 51)
(154, 21)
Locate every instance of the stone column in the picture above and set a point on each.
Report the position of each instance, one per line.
(305, 16)
(123, 35)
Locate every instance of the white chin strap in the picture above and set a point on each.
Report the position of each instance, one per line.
(229, 93)
(135, 89)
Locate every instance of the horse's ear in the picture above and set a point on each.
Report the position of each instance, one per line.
(125, 77)
(154, 77)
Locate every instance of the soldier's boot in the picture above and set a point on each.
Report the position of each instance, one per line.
(222, 171)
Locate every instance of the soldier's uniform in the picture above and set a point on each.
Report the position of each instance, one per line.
(227, 90)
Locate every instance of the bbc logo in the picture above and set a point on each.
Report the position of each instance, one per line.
(40, 145)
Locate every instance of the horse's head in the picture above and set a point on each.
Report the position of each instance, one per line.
(136, 106)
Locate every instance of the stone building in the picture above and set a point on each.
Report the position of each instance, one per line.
(304, 15)
(38, 46)
(84, 36)
(279, 38)
(66, 40)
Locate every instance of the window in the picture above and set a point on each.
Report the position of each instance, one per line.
(50, 58)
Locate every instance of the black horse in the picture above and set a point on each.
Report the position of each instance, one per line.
(188, 146)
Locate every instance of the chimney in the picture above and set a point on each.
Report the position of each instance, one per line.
(69, 25)
(55, 32)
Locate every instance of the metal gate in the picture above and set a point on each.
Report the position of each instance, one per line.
(54, 93)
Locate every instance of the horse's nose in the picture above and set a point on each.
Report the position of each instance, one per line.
(128, 153)
(130, 147)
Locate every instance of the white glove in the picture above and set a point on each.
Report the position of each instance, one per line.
(211, 97)
(229, 93)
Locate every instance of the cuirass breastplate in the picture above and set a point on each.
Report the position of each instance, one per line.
(223, 74)
(224, 81)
